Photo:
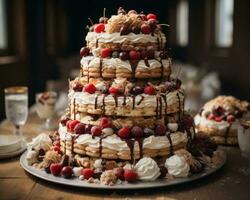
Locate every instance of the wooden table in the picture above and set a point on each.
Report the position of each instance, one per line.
(231, 182)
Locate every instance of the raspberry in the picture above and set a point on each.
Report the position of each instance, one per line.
(87, 173)
(90, 88)
(105, 53)
(99, 28)
(130, 175)
(150, 90)
(124, 132)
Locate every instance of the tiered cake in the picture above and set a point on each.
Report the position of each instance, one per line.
(126, 117)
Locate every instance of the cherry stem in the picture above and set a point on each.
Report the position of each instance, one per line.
(91, 21)
(167, 25)
(104, 12)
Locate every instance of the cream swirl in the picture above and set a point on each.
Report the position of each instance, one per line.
(147, 169)
(177, 166)
(131, 37)
(148, 100)
(42, 141)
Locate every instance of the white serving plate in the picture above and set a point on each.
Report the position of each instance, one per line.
(8, 141)
(16, 152)
(75, 182)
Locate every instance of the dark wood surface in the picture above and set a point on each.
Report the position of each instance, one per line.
(231, 182)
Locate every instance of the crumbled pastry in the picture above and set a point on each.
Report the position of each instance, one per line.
(110, 165)
(177, 166)
(108, 177)
(49, 158)
(218, 157)
(31, 157)
(93, 180)
(42, 141)
(83, 161)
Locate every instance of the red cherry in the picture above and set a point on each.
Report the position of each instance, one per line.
(160, 129)
(151, 16)
(67, 123)
(105, 122)
(150, 90)
(211, 117)
(130, 175)
(56, 149)
(137, 132)
(105, 53)
(90, 88)
(230, 118)
(134, 55)
(145, 29)
(84, 51)
(64, 160)
(96, 131)
(119, 172)
(72, 125)
(218, 119)
(99, 28)
(79, 129)
(64, 121)
(124, 132)
(87, 173)
(55, 169)
(56, 143)
(67, 172)
(113, 90)
(77, 87)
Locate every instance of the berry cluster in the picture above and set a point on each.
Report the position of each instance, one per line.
(219, 114)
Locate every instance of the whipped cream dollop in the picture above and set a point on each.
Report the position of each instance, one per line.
(77, 171)
(42, 141)
(147, 169)
(177, 166)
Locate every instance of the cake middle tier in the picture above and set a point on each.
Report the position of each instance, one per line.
(131, 106)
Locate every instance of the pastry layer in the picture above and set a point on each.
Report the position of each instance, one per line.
(128, 42)
(135, 106)
(113, 147)
(115, 67)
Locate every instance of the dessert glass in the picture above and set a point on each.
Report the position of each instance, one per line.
(45, 108)
(244, 138)
(16, 106)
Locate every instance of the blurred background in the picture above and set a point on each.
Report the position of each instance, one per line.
(209, 39)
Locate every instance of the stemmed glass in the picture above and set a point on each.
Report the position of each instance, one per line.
(45, 108)
(16, 106)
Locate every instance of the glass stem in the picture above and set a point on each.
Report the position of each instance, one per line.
(17, 132)
(47, 124)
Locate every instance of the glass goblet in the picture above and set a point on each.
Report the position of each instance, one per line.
(16, 106)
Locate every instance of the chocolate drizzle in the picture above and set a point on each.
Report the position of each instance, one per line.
(166, 108)
(96, 100)
(133, 64)
(103, 104)
(131, 144)
(179, 103)
(133, 97)
(170, 142)
(158, 107)
(101, 67)
(74, 109)
(140, 142)
(96, 43)
(139, 102)
(146, 62)
(124, 100)
(116, 100)
(100, 144)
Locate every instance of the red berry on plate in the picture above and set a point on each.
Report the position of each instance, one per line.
(105, 122)
(96, 131)
(56, 149)
(134, 55)
(230, 118)
(90, 88)
(72, 125)
(99, 28)
(79, 129)
(145, 29)
(105, 53)
(87, 173)
(160, 129)
(151, 16)
(67, 172)
(119, 172)
(55, 169)
(137, 132)
(150, 90)
(130, 175)
(56, 143)
(84, 51)
(113, 90)
(124, 132)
